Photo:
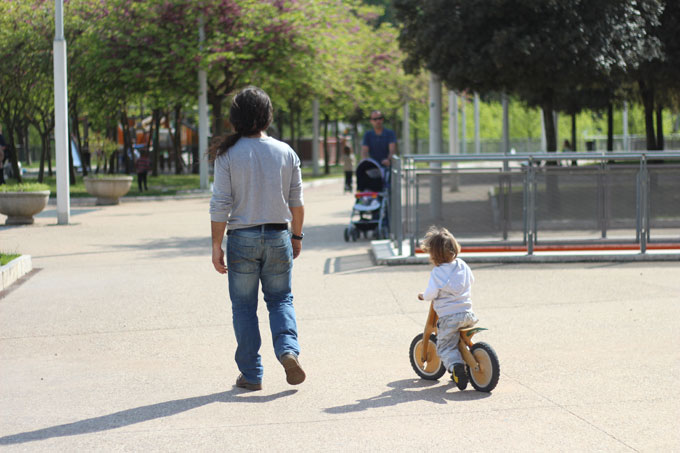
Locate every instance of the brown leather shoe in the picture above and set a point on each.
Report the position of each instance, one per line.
(294, 373)
(242, 383)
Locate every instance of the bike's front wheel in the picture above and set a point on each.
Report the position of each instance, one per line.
(485, 378)
(432, 367)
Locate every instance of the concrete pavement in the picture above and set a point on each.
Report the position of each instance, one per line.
(121, 340)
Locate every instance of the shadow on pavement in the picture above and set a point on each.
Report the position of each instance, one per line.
(408, 390)
(172, 246)
(139, 415)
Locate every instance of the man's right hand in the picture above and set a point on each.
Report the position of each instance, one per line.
(218, 260)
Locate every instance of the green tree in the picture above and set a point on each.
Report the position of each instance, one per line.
(536, 50)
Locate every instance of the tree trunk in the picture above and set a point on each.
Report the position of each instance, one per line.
(551, 181)
(127, 142)
(326, 157)
(279, 123)
(113, 159)
(177, 142)
(610, 127)
(13, 155)
(414, 150)
(49, 160)
(659, 128)
(291, 119)
(299, 126)
(156, 136)
(25, 144)
(44, 139)
(573, 137)
(338, 144)
(549, 124)
(151, 140)
(647, 94)
(218, 121)
(85, 155)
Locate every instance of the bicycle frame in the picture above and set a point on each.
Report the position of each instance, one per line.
(464, 344)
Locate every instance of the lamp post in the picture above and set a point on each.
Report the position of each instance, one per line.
(61, 116)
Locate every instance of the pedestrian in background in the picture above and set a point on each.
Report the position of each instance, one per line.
(142, 166)
(380, 144)
(348, 167)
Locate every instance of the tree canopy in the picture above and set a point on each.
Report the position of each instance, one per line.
(564, 55)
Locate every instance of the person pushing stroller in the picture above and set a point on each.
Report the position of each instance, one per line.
(450, 289)
(380, 144)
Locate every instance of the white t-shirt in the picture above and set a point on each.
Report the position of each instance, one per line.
(450, 288)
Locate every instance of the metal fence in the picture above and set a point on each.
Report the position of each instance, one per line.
(588, 143)
(532, 201)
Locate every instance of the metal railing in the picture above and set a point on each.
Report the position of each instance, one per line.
(528, 201)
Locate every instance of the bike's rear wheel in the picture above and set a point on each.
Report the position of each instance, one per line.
(432, 368)
(486, 377)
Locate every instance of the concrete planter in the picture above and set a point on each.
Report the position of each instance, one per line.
(20, 207)
(108, 189)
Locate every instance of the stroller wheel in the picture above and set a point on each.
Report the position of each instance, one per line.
(346, 234)
(355, 235)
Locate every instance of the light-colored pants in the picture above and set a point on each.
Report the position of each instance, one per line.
(447, 336)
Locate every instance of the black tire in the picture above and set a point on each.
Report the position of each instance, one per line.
(486, 356)
(346, 234)
(355, 235)
(431, 372)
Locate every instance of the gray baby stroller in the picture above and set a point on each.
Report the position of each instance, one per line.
(369, 212)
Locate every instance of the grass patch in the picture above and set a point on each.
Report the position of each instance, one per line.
(7, 257)
(164, 184)
(336, 171)
(24, 187)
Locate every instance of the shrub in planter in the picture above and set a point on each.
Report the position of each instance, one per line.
(108, 188)
(21, 202)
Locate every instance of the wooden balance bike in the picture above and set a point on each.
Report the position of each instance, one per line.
(481, 361)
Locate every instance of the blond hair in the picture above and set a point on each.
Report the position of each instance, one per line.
(441, 245)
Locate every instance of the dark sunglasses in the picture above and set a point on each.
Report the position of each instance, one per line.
(378, 118)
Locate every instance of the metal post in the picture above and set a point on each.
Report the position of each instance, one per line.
(453, 123)
(396, 221)
(453, 137)
(463, 124)
(435, 145)
(544, 140)
(626, 137)
(531, 211)
(478, 141)
(406, 131)
(644, 193)
(61, 141)
(202, 117)
(506, 129)
(415, 210)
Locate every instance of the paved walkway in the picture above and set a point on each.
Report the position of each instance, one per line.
(121, 340)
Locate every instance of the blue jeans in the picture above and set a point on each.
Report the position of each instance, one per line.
(448, 336)
(255, 256)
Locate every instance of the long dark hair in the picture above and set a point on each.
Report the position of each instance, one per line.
(251, 112)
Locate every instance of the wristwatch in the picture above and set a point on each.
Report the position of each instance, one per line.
(296, 237)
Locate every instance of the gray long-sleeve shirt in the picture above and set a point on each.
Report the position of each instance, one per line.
(257, 181)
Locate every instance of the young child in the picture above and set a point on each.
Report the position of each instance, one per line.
(449, 288)
(348, 166)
